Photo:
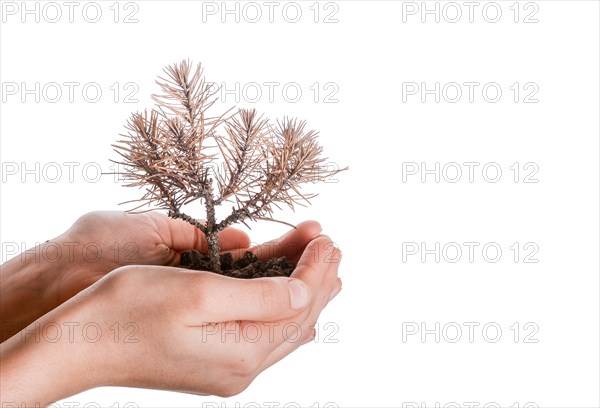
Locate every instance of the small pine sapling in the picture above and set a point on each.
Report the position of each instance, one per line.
(180, 154)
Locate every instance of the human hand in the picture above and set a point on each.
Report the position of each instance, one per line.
(99, 242)
(196, 331)
(105, 240)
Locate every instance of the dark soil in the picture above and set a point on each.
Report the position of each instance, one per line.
(247, 267)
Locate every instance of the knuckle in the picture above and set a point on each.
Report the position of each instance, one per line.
(88, 215)
(247, 365)
(309, 335)
(232, 388)
(118, 282)
(122, 274)
(267, 293)
(242, 371)
(88, 218)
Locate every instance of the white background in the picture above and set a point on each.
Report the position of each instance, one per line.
(377, 210)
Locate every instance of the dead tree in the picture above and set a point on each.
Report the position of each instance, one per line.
(180, 154)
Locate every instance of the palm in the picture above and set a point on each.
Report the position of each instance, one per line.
(106, 240)
(115, 238)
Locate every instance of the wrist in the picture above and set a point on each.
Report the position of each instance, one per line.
(30, 285)
(49, 359)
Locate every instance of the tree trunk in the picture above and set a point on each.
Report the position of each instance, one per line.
(212, 233)
(213, 250)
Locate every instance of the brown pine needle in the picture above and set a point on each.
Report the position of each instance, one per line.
(167, 151)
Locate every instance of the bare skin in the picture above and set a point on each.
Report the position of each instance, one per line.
(39, 280)
(160, 326)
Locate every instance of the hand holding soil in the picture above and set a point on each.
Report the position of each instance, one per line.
(134, 276)
(180, 319)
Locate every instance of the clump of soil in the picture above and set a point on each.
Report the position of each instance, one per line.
(247, 267)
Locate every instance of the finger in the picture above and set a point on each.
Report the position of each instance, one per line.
(291, 245)
(336, 290)
(334, 262)
(316, 260)
(183, 236)
(318, 268)
(226, 299)
(231, 239)
(320, 249)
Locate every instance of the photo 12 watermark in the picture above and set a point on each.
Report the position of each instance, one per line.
(452, 252)
(267, 404)
(69, 91)
(75, 332)
(252, 12)
(70, 404)
(56, 12)
(57, 172)
(54, 172)
(469, 404)
(453, 12)
(254, 332)
(470, 92)
(469, 332)
(471, 172)
(65, 252)
(277, 92)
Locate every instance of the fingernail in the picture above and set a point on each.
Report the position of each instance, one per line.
(299, 293)
(335, 293)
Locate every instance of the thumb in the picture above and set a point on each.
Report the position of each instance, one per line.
(260, 299)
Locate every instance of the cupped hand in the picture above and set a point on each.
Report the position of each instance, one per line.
(101, 241)
(148, 238)
(205, 333)
(182, 330)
